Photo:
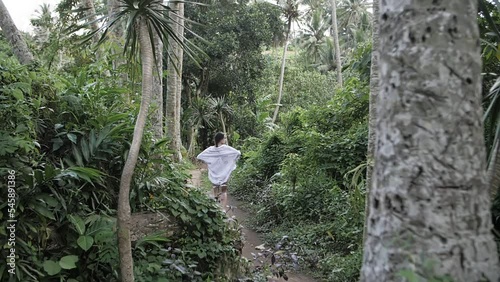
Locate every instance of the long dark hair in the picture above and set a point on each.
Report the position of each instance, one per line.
(218, 137)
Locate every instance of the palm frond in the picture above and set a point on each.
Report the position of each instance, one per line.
(158, 21)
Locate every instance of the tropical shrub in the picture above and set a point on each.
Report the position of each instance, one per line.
(297, 174)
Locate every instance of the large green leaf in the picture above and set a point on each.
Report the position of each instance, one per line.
(42, 210)
(85, 242)
(90, 175)
(78, 223)
(78, 156)
(49, 200)
(51, 267)
(68, 262)
(72, 137)
(104, 236)
(50, 171)
(18, 94)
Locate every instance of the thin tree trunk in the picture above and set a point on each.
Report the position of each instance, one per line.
(494, 171)
(282, 73)
(157, 117)
(178, 78)
(171, 100)
(173, 85)
(204, 81)
(170, 108)
(191, 137)
(223, 126)
(429, 200)
(337, 44)
(192, 141)
(123, 212)
(372, 122)
(187, 89)
(14, 37)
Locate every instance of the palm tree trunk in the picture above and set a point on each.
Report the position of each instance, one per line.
(282, 73)
(157, 117)
(123, 212)
(374, 90)
(429, 200)
(178, 89)
(337, 44)
(14, 37)
(173, 86)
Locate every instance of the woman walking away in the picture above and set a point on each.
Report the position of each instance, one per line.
(221, 161)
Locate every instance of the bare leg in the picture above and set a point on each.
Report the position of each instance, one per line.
(223, 196)
(215, 190)
(223, 200)
(220, 195)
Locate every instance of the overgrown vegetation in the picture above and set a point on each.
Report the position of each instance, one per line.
(67, 123)
(294, 180)
(64, 140)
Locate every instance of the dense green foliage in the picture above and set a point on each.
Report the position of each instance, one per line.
(234, 35)
(68, 121)
(64, 140)
(294, 180)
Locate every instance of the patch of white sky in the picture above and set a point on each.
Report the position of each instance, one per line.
(22, 11)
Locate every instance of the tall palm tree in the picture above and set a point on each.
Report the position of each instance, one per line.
(174, 83)
(429, 199)
(123, 212)
(180, 56)
(143, 19)
(47, 37)
(354, 13)
(335, 33)
(327, 60)
(313, 6)
(313, 36)
(42, 24)
(14, 37)
(354, 20)
(292, 14)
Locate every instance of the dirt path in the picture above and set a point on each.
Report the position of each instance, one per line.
(251, 237)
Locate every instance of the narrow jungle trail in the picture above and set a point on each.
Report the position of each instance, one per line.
(251, 237)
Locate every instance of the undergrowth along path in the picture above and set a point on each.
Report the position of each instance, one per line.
(252, 239)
